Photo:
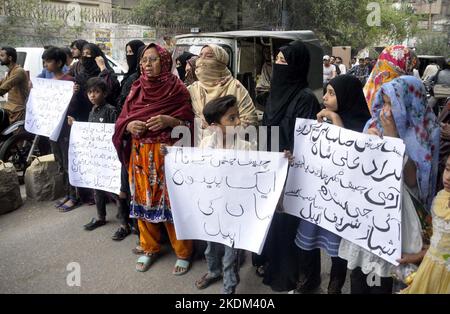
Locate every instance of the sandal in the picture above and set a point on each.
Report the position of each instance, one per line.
(61, 202)
(146, 261)
(138, 250)
(182, 264)
(206, 281)
(260, 271)
(65, 208)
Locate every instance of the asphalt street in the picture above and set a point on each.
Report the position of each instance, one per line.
(38, 243)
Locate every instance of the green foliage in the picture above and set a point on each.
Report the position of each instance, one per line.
(42, 25)
(336, 22)
(344, 22)
(432, 44)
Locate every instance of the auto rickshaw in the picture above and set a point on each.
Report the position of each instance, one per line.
(246, 50)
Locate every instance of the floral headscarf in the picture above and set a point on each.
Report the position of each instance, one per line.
(417, 126)
(393, 62)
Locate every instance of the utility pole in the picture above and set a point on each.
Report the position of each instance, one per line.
(284, 15)
(239, 14)
(429, 16)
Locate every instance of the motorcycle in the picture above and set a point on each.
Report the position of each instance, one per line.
(18, 146)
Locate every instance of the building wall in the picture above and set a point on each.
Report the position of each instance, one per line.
(125, 4)
(103, 4)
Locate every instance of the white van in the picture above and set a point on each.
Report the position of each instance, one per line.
(30, 58)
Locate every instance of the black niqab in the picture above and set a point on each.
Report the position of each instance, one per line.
(183, 61)
(352, 105)
(290, 97)
(287, 81)
(132, 60)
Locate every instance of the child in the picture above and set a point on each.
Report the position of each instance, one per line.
(399, 110)
(345, 106)
(101, 113)
(223, 114)
(433, 275)
(54, 60)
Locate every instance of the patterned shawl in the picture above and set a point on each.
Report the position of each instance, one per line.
(393, 62)
(417, 126)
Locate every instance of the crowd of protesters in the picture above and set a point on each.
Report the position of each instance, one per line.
(381, 98)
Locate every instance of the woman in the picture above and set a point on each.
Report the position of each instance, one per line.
(289, 98)
(345, 106)
(93, 63)
(393, 62)
(181, 62)
(158, 102)
(433, 275)
(190, 77)
(132, 51)
(400, 110)
(214, 81)
(444, 150)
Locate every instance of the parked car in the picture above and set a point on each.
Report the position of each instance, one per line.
(30, 58)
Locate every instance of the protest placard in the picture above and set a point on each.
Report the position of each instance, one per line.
(47, 106)
(93, 161)
(348, 183)
(224, 196)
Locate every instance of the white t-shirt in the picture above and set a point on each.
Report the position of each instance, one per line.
(328, 73)
(343, 69)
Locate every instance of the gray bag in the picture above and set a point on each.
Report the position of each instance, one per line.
(10, 198)
(44, 181)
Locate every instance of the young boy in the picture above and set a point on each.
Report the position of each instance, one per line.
(223, 114)
(54, 60)
(101, 112)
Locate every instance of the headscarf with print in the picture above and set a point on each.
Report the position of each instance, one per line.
(352, 106)
(417, 126)
(393, 62)
(164, 95)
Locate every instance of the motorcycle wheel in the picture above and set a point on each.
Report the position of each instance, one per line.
(16, 149)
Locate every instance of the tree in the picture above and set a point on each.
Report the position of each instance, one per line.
(336, 22)
(344, 22)
(432, 44)
(43, 24)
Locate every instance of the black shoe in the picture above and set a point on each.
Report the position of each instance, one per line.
(135, 231)
(334, 288)
(121, 234)
(94, 224)
(308, 287)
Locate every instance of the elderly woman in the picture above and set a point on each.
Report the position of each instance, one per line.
(158, 102)
(215, 80)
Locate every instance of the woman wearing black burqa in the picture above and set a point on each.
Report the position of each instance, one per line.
(289, 98)
(93, 63)
(132, 53)
(181, 63)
